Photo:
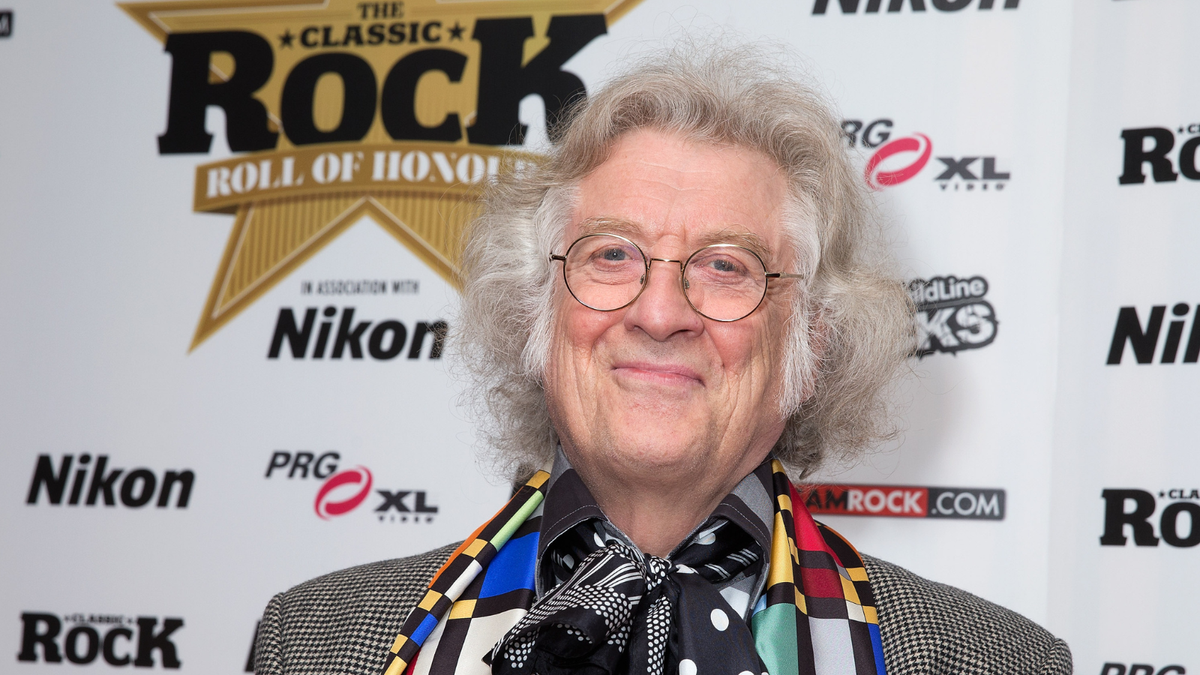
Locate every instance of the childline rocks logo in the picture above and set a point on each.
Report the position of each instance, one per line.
(339, 109)
(952, 314)
(902, 501)
(1144, 341)
(135, 490)
(345, 491)
(120, 640)
(1153, 146)
(900, 159)
(894, 6)
(1118, 515)
(385, 341)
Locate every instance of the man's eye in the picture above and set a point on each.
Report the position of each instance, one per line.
(723, 265)
(614, 255)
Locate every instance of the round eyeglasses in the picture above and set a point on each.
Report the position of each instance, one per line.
(722, 282)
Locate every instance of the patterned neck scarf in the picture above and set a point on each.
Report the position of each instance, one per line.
(816, 617)
(734, 538)
(627, 612)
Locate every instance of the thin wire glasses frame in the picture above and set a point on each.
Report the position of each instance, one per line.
(721, 259)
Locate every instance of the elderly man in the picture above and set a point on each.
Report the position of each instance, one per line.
(680, 308)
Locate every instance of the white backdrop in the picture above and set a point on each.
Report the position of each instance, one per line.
(1127, 426)
(107, 270)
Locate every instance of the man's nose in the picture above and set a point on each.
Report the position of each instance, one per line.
(662, 309)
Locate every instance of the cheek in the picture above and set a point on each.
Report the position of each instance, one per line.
(578, 333)
(587, 329)
(752, 360)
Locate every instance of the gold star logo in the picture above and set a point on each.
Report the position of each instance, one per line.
(339, 109)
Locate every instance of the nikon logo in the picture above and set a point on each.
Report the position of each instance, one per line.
(97, 483)
(894, 6)
(1149, 340)
(385, 341)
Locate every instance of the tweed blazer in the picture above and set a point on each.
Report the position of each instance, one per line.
(343, 624)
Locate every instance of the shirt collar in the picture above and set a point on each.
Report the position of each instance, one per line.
(569, 503)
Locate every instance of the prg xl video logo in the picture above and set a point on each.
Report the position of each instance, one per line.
(343, 492)
(898, 160)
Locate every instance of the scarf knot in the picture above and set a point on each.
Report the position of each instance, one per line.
(616, 614)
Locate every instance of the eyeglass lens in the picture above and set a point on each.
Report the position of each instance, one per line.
(722, 282)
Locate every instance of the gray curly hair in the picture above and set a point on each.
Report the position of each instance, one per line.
(849, 332)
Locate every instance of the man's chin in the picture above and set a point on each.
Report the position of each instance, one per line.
(658, 447)
(660, 405)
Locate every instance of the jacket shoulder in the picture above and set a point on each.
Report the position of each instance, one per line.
(933, 628)
(343, 622)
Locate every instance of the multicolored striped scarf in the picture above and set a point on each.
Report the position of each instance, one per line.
(816, 617)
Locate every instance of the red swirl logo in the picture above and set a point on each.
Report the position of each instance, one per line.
(324, 504)
(918, 143)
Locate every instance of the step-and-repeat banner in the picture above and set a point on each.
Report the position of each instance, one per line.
(227, 234)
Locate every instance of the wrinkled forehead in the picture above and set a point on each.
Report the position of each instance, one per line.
(662, 188)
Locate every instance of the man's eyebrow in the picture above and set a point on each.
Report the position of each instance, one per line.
(633, 231)
(611, 225)
(743, 238)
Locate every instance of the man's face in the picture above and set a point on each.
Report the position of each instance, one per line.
(654, 389)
